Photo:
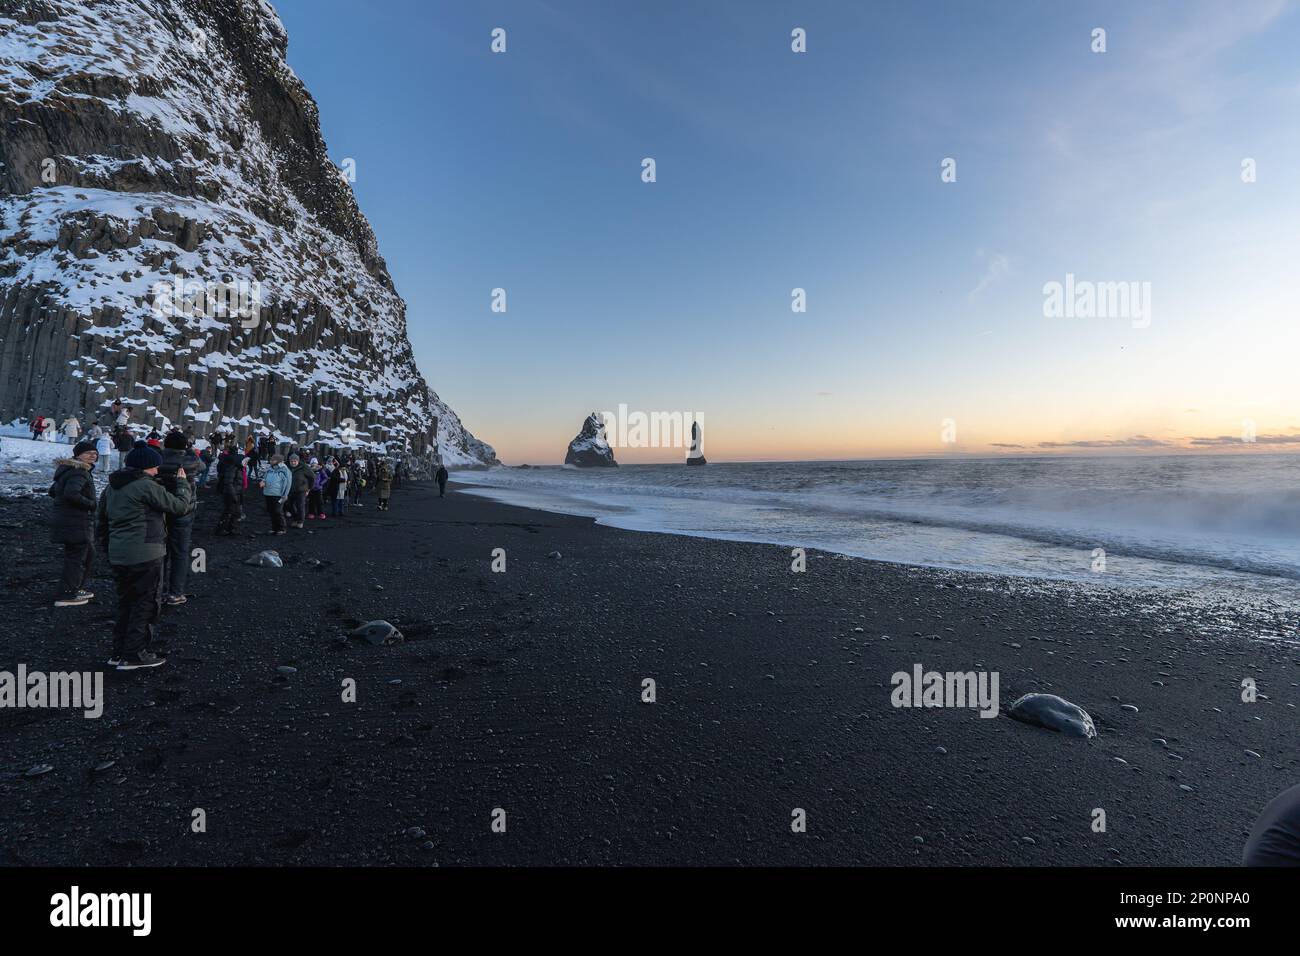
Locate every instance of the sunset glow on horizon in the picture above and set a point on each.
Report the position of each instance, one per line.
(925, 180)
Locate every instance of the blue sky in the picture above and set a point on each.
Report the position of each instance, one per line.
(821, 171)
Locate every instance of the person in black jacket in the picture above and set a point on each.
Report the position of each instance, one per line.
(178, 452)
(441, 478)
(230, 483)
(303, 477)
(123, 442)
(73, 522)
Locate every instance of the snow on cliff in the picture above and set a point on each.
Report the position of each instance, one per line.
(173, 233)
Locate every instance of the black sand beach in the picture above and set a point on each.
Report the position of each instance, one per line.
(522, 690)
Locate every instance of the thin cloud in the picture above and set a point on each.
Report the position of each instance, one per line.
(998, 268)
(1237, 440)
(1137, 441)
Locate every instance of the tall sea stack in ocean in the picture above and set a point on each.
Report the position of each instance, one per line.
(590, 448)
(159, 157)
(695, 456)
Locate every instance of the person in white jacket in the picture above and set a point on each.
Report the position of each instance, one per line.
(71, 429)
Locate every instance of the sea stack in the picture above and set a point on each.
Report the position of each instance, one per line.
(696, 455)
(589, 449)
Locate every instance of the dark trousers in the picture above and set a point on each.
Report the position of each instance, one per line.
(442, 489)
(339, 506)
(276, 511)
(77, 561)
(178, 554)
(314, 505)
(231, 512)
(296, 509)
(139, 603)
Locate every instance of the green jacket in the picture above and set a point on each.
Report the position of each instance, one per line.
(130, 516)
(302, 478)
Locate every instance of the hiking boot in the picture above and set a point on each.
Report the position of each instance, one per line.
(172, 600)
(141, 659)
(72, 601)
(86, 594)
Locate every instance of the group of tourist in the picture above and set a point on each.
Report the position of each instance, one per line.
(144, 518)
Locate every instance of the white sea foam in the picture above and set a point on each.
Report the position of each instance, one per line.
(1227, 522)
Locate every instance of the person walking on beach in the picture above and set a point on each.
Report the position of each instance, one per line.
(122, 440)
(265, 446)
(230, 485)
(357, 472)
(103, 444)
(177, 457)
(315, 494)
(384, 484)
(250, 452)
(71, 429)
(275, 491)
(73, 522)
(441, 478)
(337, 490)
(206, 457)
(302, 482)
(130, 525)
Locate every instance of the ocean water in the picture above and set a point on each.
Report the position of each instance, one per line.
(1226, 523)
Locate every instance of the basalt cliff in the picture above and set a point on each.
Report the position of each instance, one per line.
(174, 234)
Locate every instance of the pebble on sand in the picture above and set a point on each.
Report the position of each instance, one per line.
(1053, 713)
(378, 632)
(266, 559)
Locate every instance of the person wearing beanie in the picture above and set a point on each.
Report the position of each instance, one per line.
(131, 526)
(302, 481)
(336, 489)
(230, 486)
(316, 494)
(73, 522)
(178, 454)
(275, 491)
(384, 484)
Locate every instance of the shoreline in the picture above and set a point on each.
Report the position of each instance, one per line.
(522, 690)
(1271, 621)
